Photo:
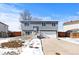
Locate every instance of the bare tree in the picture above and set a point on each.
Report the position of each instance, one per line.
(25, 15)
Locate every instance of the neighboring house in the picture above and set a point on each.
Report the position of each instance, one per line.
(29, 25)
(71, 26)
(3, 30)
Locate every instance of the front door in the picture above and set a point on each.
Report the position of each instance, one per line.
(36, 28)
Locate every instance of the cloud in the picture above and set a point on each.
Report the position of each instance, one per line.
(43, 17)
(9, 15)
(12, 20)
(72, 18)
(8, 8)
(77, 12)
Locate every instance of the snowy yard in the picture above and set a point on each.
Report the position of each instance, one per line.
(33, 47)
(72, 40)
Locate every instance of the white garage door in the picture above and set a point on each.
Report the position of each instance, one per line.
(50, 33)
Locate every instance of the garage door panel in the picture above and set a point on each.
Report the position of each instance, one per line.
(49, 33)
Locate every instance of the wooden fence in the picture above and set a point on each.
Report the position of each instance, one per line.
(14, 34)
(63, 34)
(74, 35)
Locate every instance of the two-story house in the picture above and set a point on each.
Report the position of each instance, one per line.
(29, 25)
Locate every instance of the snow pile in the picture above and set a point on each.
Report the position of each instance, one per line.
(10, 51)
(72, 40)
(8, 39)
(33, 48)
(4, 47)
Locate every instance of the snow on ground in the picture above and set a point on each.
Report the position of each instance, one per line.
(10, 51)
(73, 40)
(4, 40)
(8, 39)
(25, 50)
(33, 51)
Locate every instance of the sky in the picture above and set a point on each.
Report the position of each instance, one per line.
(61, 12)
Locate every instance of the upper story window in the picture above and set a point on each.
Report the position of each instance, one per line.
(53, 24)
(26, 24)
(43, 24)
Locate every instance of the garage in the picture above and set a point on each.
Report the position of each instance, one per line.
(50, 33)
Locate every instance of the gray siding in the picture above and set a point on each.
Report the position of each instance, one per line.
(3, 28)
(46, 27)
(49, 28)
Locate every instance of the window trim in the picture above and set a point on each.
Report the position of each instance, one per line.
(43, 24)
(53, 24)
(26, 24)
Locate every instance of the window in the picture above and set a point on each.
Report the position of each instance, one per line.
(36, 28)
(43, 24)
(27, 32)
(26, 24)
(53, 24)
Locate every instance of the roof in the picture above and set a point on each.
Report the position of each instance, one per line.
(3, 24)
(43, 21)
(39, 21)
(72, 22)
(73, 30)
